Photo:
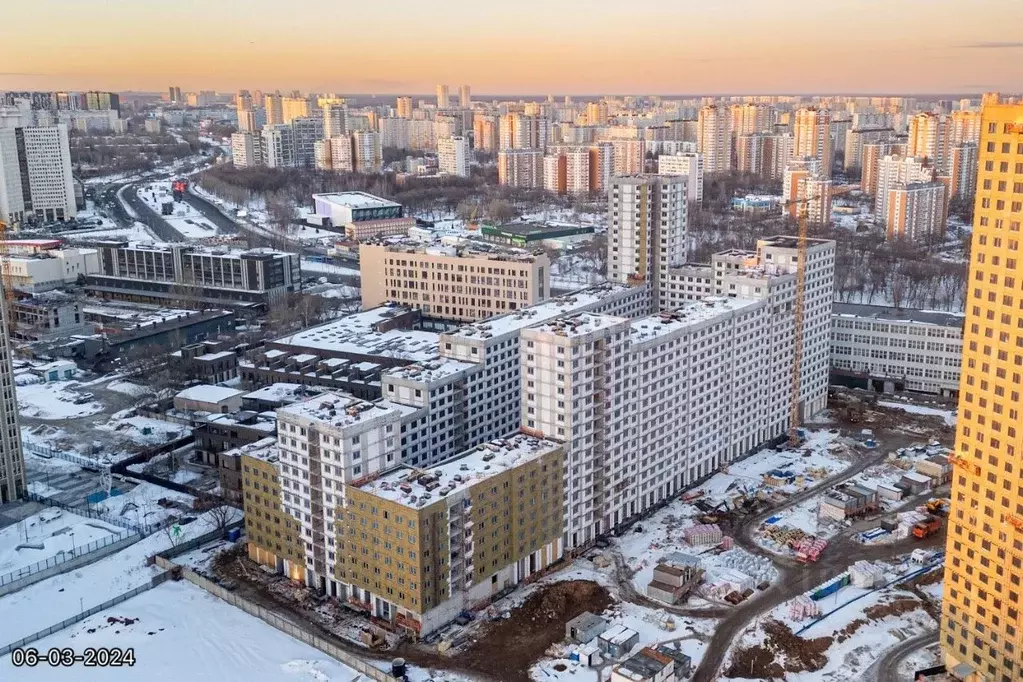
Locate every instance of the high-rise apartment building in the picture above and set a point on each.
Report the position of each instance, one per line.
(464, 97)
(916, 211)
(981, 617)
(811, 134)
(520, 168)
(453, 156)
(174, 95)
(714, 138)
(806, 192)
(308, 130)
(601, 165)
(521, 131)
(246, 149)
(747, 119)
(35, 174)
(442, 97)
(404, 107)
(12, 460)
(962, 171)
(648, 218)
(278, 145)
(688, 164)
(394, 133)
(485, 132)
(596, 113)
(629, 157)
(895, 171)
(567, 170)
(367, 152)
(294, 107)
(274, 106)
(929, 139)
(856, 138)
(964, 127)
(459, 284)
(334, 120)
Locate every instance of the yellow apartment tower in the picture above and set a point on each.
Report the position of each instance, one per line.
(982, 628)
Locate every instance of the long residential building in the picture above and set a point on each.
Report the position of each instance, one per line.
(520, 168)
(190, 276)
(714, 138)
(890, 350)
(458, 283)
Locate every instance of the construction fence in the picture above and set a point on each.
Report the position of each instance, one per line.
(142, 528)
(80, 556)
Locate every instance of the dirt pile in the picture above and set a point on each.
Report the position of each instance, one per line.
(895, 607)
(782, 652)
(507, 648)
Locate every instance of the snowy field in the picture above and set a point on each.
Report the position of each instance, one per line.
(140, 505)
(128, 388)
(143, 430)
(317, 268)
(949, 416)
(136, 233)
(185, 219)
(179, 632)
(53, 400)
(52, 600)
(45, 535)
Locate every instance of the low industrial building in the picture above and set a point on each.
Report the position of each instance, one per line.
(585, 627)
(207, 361)
(209, 399)
(890, 350)
(524, 235)
(648, 665)
(461, 283)
(937, 467)
(217, 443)
(847, 500)
(617, 641)
(38, 265)
(361, 216)
(48, 316)
(189, 276)
(277, 395)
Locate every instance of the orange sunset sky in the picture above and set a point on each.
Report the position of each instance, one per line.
(528, 46)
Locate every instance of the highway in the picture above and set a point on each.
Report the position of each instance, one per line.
(153, 220)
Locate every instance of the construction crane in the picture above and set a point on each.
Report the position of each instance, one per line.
(7, 276)
(799, 313)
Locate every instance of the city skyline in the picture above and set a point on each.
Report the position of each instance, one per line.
(745, 47)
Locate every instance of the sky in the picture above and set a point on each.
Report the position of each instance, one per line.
(529, 46)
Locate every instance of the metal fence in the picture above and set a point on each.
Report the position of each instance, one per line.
(64, 557)
(68, 622)
(285, 626)
(144, 528)
(43, 451)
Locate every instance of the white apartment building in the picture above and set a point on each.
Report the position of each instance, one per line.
(403, 107)
(13, 484)
(334, 120)
(278, 146)
(321, 155)
(464, 97)
(648, 217)
(52, 268)
(896, 171)
(341, 154)
(917, 212)
(812, 136)
(453, 156)
(326, 443)
(41, 156)
(689, 165)
(246, 149)
(714, 138)
(422, 135)
(368, 156)
(520, 167)
(394, 133)
(896, 349)
(629, 156)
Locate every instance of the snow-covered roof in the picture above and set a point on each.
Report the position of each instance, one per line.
(341, 410)
(891, 314)
(690, 314)
(411, 487)
(578, 325)
(427, 372)
(356, 334)
(355, 200)
(206, 393)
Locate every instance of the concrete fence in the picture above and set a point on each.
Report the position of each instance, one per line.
(285, 626)
(68, 622)
(65, 561)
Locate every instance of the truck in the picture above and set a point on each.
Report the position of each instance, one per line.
(178, 188)
(167, 208)
(927, 527)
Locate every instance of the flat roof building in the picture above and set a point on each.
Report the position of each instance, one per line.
(362, 216)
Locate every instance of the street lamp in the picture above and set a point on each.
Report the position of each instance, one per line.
(72, 543)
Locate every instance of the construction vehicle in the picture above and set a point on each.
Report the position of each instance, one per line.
(938, 507)
(178, 188)
(927, 527)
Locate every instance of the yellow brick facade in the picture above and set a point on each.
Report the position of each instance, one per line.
(982, 629)
(271, 532)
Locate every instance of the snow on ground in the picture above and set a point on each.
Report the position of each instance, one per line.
(52, 600)
(128, 388)
(53, 400)
(310, 266)
(140, 505)
(949, 416)
(47, 534)
(185, 219)
(143, 430)
(184, 476)
(136, 233)
(179, 632)
(572, 271)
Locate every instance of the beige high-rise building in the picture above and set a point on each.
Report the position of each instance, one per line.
(601, 166)
(521, 131)
(453, 156)
(747, 119)
(12, 460)
(596, 113)
(464, 97)
(916, 212)
(334, 120)
(962, 171)
(714, 138)
(246, 149)
(895, 171)
(485, 132)
(274, 106)
(566, 170)
(806, 192)
(520, 168)
(443, 95)
(964, 127)
(404, 108)
(811, 134)
(367, 152)
(981, 618)
(294, 107)
(630, 157)
(461, 284)
(929, 139)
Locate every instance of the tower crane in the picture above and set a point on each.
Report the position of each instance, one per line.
(6, 276)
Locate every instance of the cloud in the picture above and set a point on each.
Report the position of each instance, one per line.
(993, 46)
(4, 74)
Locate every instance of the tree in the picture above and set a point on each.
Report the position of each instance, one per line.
(500, 211)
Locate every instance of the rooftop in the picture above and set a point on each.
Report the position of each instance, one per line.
(264, 449)
(247, 419)
(218, 251)
(645, 665)
(280, 392)
(689, 314)
(340, 410)
(427, 372)
(539, 313)
(790, 242)
(466, 249)
(209, 394)
(209, 357)
(356, 334)
(413, 488)
(882, 312)
(355, 200)
(579, 324)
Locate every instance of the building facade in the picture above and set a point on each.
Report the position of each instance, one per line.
(714, 138)
(916, 212)
(246, 149)
(453, 156)
(520, 168)
(13, 485)
(688, 164)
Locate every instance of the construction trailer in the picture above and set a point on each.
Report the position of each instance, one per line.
(848, 500)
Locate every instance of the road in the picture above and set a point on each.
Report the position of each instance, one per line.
(153, 220)
(225, 225)
(886, 668)
(796, 578)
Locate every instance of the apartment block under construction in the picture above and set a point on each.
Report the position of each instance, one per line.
(982, 626)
